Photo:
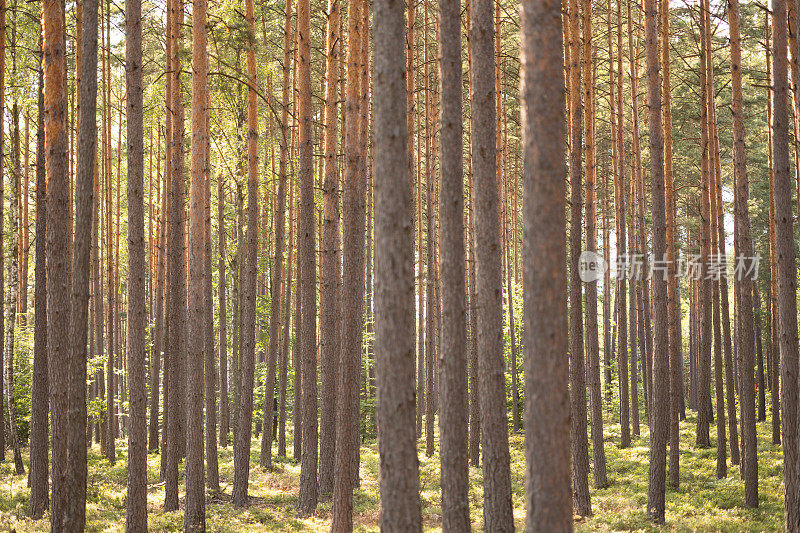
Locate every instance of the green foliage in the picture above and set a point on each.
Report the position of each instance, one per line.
(23, 364)
(701, 503)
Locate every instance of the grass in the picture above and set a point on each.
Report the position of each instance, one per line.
(701, 503)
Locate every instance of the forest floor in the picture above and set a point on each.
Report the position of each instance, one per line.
(701, 503)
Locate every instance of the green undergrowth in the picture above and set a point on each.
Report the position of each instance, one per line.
(701, 503)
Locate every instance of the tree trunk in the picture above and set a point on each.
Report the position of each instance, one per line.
(308, 497)
(632, 293)
(580, 441)
(224, 403)
(157, 308)
(11, 322)
(786, 270)
(547, 410)
(136, 513)
(353, 227)
(745, 247)
(330, 301)
(773, 264)
(58, 60)
(394, 271)
(58, 235)
(194, 515)
(592, 343)
(209, 351)
(284, 362)
(704, 353)
(247, 340)
(619, 201)
(659, 397)
(453, 365)
(497, 511)
(673, 298)
(39, 479)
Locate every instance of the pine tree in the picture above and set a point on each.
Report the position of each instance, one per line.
(497, 512)
(547, 410)
(39, 442)
(453, 365)
(394, 274)
(136, 503)
(330, 304)
(247, 340)
(659, 398)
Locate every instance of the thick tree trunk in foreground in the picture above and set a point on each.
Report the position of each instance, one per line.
(136, 503)
(394, 275)
(547, 408)
(241, 451)
(746, 285)
(659, 392)
(176, 301)
(453, 364)
(194, 514)
(497, 511)
(308, 497)
(787, 283)
(58, 236)
(330, 304)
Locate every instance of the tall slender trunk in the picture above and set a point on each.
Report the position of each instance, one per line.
(209, 351)
(76, 474)
(352, 294)
(632, 296)
(224, 402)
(39, 479)
(786, 270)
(194, 515)
(773, 263)
(136, 513)
(619, 201)
(176, 302)
(13, 267)
(746, 286)
(308, 497)
(673, 298)
(284, 357)
(157, 307)
(642, 285)
(580, 440)
(58, 234)
(430, 269)
(659, 397)
(330, 301)
(592, 343)
(704, 354)
(241, 449)
(45, 58)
